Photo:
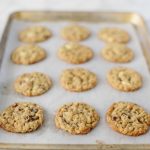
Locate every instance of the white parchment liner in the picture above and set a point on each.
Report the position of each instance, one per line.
(101, 97)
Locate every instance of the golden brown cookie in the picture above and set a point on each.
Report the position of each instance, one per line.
(124, 79)
(76, 118)
(22, 117)
(34, 34)
(75, 53)
(116, 52)
(28, 54)
(112, 35)
(128, 118)
(75, 33)
(32, 84)
(78, 79)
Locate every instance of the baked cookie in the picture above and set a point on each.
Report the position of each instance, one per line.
(32, 84)
(75, 53)
(117, 53)
(112, 35)
(76, 118)
(128, 118)
(124, 79)
(35, 34)
(22, 117)
(28, 54)
(78, 79)
(75, 33)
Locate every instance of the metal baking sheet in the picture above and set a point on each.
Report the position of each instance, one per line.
(54, 98)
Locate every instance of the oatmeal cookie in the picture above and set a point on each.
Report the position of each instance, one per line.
(128, 118)
(76, 118)
(32, 84)
(112, 35)
(75, 53)
(117, 53)
(78, 79)
(124, 79)
(75, 33)
(28, 54)
(34, 34)
(22, 117)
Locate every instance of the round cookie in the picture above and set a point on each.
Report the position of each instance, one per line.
(75, 53)
(75, 33)
(124, 79)
(78, 80)
(28, 54)
(32, 84)
(22, 117)
(128, 118)
(76, 118)
(34, 34)
(112, 35)
(117, 53)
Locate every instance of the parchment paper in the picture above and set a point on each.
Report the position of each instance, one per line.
(101, 97)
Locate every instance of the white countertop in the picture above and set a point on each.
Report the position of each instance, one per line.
(139, 6)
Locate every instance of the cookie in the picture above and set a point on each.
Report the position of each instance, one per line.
(75, 53)
(124, 79)
(128, 118)
(117, 53)
(35, 34)
(76, 118)
(22, 117)
(112, 35)
(75, 33)
(28, 54)
(78, 80)
(32, 84)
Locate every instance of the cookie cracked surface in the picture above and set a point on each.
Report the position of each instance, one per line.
(32, 84)
(112, 35)
(75, 53)
(22, 117)
(78, 79)
(124, 79)
(28, 54)
(34, 34)
(75, 33)
(128, 118)
(117, 53)
(76, 118)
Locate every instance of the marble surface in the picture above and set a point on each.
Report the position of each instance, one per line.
(139, 6)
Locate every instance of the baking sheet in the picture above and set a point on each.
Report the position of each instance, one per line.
(101, 97)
